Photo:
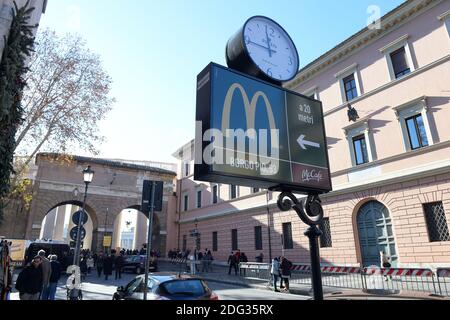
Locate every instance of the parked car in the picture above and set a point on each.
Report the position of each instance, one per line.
(136, 264)
(166, 287)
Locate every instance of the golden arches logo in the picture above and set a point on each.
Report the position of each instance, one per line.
(249, 106)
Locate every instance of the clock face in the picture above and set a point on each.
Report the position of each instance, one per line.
(271, 48)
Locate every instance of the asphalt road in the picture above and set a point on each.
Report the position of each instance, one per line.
(95, 288)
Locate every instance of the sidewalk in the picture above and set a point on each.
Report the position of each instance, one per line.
(220, 274)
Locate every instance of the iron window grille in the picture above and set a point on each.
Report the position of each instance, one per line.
(214, 241)
(350, 87)
(399, 63)
(234, 239)
(436, 222)
(258, 238)
(416, 132)
(360, 149)
(325, 238)
(287, 236)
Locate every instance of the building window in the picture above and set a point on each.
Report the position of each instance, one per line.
(215, 194)
(186, 169)
(258, 238)
(184, 242)
(350, 89)
(186, 203)
(312, 93)
(234, 239)
(436, 222)
(398, 57)
(360, 149)
(233, 191)
(325, 238)
(255, 190)
(214, 241)
(416, 132)
(400, 63)
(287, 236)
(199, 199)
(360, 142)
(349, 83)
(413, 120)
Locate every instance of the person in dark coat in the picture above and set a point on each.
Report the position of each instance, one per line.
(83, 267)
(107, 266)
(30, 280)
(233, 262)
(285, 267)
(100, 262)
(118, 264)
(54, 277)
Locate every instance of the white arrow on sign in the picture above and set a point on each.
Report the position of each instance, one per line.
(302, 142)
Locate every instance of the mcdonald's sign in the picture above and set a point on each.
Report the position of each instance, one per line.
(253, 133)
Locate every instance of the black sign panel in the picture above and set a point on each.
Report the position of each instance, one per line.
(76, 217)
(147, 195)
(253, 133)
(74, 232)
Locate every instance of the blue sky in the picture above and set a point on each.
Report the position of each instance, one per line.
(153, 50)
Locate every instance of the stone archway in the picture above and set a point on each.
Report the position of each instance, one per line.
(141, 229)
(57, 223)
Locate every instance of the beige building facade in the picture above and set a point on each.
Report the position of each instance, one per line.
(390, 168)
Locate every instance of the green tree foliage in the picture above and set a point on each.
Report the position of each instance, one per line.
(18, 47)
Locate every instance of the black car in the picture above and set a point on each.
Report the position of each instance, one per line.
(166, 287)
(136, 264)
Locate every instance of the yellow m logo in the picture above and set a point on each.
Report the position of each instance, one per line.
(250, 108)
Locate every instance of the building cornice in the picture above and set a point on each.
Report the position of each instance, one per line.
(389, 22)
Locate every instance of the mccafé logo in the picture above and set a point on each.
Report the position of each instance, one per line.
(236, 154)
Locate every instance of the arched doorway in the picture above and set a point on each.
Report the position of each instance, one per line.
(57, 224)
(375, 234)
(130, 230)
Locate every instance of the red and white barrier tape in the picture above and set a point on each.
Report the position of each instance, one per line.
(399, 272)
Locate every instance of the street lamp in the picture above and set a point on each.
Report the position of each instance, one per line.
(88, 175)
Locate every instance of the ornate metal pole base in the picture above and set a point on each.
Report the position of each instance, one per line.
(311, 213)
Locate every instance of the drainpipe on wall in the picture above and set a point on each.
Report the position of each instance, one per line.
(268, 226)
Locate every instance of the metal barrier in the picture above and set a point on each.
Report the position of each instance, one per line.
(332, 276)
(371, 278)
(396, 279)
(256, 270)
(443, 278)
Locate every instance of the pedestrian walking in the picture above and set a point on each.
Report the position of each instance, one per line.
(118, 264)
(275, 272)
(243, 259)
(90, 264)
(233, 263)
(210, 259)
(30, 280)
(54, 277)
(260, 258)
(46, 272)
(386, 263)
(83, 267)
(100, 262)
(285, 267)
(107, 266)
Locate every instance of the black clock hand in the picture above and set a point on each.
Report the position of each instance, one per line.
(260, 45)
(268, 43)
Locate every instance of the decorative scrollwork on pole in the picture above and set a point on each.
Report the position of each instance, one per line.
(310, 210)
